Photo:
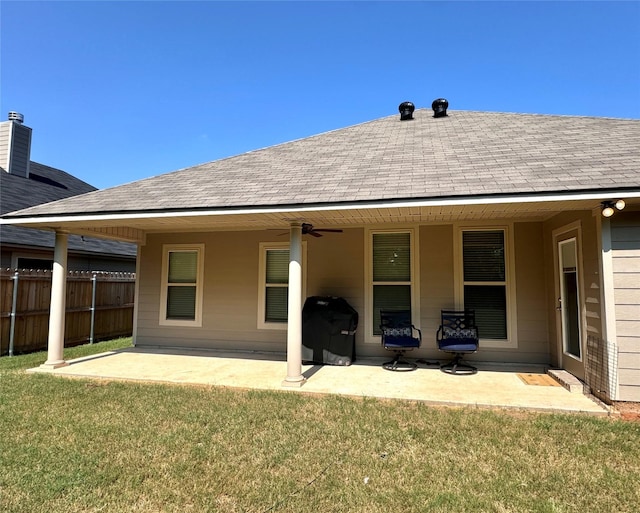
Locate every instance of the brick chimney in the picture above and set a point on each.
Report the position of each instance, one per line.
(15, 145)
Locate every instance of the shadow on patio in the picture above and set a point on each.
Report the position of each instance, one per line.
(495, 385)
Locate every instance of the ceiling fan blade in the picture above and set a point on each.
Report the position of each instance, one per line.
(314, 233)
(327, 230)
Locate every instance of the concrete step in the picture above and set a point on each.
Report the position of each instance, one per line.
(568, 381)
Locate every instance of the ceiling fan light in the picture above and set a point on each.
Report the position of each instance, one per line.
(620, 204)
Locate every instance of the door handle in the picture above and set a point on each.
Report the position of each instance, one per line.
(559, 307)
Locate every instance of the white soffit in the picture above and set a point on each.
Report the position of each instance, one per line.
(416, 211)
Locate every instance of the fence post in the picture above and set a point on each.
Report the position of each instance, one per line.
(94, 282)
(14, 306)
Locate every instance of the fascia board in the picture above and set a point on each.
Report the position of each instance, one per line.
(436, 202)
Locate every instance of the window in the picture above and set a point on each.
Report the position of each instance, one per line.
(276, 285)
(392, 277)
(34, 263)
(273, 297)
(181, 295)
(485, 282)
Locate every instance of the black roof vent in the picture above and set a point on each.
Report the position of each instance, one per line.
(406, 110)
(440, 107)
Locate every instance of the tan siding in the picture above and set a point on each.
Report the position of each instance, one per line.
(625, 237)
(591, 289)
(626, 296)
(4, 145)
(629, 344)
(230, 294)
(629, 377)
(629, 360)
(591, 274)
(629, 393)
(627, 265)
(335, 264)
(627, 313)
(533, 338)
(628, 329)
(622, 280)
(530, 292)
(437, 292)
(335, 267)
(18, 152)
(436, 282)
(230, 302)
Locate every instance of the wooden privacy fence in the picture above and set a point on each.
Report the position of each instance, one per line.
(99, 306)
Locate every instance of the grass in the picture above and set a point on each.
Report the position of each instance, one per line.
(72, 445)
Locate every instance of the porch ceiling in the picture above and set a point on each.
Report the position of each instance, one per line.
(133, 226)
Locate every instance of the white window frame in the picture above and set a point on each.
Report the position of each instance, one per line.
(511, 342)
(369, 336)
(197, 321)
(262, 282)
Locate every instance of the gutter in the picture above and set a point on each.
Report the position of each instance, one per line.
(599, 195)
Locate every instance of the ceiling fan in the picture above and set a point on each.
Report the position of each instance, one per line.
(308, 229)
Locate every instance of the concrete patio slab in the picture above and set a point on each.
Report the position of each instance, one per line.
(497, 386)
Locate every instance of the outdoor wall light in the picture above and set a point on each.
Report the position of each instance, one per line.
(609, 207)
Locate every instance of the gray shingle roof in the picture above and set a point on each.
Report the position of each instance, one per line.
(464, 154)
(17, 192)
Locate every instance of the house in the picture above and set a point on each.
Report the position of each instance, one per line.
(499, 212)
(24, 183)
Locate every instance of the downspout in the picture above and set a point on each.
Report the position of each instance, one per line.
(294, 323)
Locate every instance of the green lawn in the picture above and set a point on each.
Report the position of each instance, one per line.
(72, 445)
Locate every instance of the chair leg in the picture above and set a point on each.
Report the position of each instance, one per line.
(398, 364)
(456, 366)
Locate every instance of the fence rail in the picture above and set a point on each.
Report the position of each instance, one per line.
(98, 306)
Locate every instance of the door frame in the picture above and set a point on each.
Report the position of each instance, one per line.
(567, 361)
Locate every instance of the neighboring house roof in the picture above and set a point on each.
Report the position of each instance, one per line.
(46, 184)
(464, 155)
(43, 185)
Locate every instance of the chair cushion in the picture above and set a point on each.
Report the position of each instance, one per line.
(400, 342)
(459, 345)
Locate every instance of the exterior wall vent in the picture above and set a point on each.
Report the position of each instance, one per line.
(440, 107)
(406, 110)
(15, 146)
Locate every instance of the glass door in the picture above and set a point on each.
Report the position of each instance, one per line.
(570, 322)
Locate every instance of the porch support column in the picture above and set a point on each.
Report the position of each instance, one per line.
(57, 309)
(294, 324)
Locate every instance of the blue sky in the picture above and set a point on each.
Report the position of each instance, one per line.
(119, 91)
